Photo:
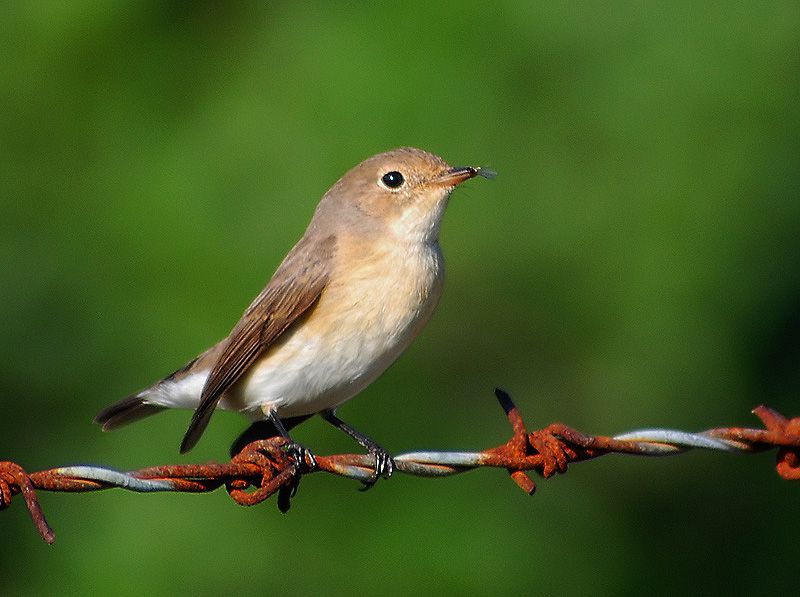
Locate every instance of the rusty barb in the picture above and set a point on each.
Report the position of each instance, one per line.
(265, 467)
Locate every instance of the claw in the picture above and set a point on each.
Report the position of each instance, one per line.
(304, 457)
(384, 467)
(308, 456)
(384, 464)
(306, 463)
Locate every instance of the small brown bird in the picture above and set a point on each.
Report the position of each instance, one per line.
(346, 301)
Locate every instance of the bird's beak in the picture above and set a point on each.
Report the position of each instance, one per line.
(457, 175)
(454, 176)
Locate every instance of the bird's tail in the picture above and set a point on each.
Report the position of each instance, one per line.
(126, 411)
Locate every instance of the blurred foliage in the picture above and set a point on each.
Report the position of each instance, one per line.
(636, 263)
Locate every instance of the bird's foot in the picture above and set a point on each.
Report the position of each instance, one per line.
(305, 459)
(306, 463)
(384, 466)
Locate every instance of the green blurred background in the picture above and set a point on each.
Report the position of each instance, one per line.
(636, 263)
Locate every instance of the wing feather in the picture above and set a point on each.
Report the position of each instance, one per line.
(293, 290)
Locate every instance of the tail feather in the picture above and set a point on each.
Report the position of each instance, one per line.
(127, 410)
(197, 426)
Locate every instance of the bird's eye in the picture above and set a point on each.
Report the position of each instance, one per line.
(393, 179)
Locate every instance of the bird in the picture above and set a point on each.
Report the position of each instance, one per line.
(345, 302)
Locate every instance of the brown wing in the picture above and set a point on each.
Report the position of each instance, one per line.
(293, 289)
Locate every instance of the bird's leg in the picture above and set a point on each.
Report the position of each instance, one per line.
(384, 465)
(263, 429)
(298, 452)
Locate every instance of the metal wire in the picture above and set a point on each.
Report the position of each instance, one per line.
(265, 467)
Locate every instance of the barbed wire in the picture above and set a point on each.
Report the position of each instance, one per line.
(265, 467)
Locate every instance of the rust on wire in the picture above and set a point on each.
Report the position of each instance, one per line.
(265, 467)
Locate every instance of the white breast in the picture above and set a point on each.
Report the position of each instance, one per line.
(364, 320)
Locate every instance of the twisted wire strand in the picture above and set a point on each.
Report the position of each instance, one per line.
(265, 467)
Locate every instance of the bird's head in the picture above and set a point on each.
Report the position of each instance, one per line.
(402, 192)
